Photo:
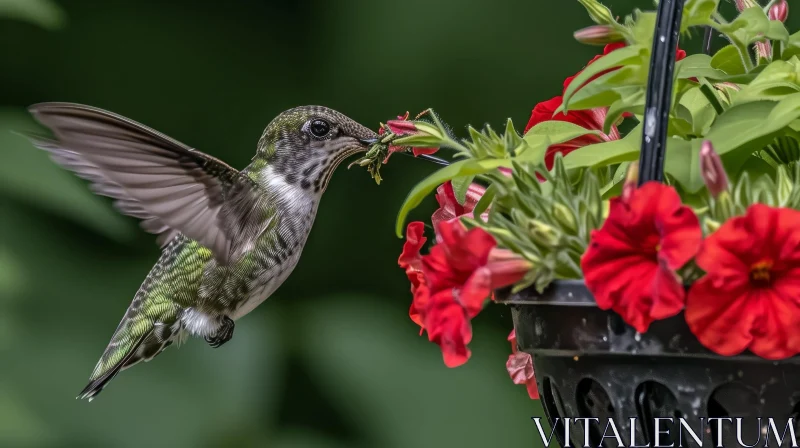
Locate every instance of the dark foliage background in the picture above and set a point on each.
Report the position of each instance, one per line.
(332, 359)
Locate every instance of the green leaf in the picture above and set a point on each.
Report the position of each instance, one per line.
(728, 60)
(606, 153)
(634, 56)
(44, 13)
(751, 26)
(748, 127)
(29, 175)
(697, 66)
(486, 200)
(642, 28)
(460, 187)
(682, 162)
(776, 81)
(698, 13)
(792, 47)
(599, 92)
(757, 167)
(614, 187)
(552, 132)
(697, 110)
(778, 32)
(633, 102)
(467, 167)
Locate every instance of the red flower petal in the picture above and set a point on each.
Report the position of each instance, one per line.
(750, 295)
(520, 369)
(592, 119)
(410, 258)
(475, 291)
(411, 261)
(402, 127)
(418, 151)
(449, 327)
(631, 261)
(450, 209)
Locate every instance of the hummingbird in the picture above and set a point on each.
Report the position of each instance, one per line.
(228, 238)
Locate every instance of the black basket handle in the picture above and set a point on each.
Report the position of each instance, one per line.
(658, 100)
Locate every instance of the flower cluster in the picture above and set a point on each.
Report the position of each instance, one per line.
(749, 295)
(452, 282)
(563, 201)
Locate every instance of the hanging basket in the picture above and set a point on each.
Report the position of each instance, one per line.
(590, 364)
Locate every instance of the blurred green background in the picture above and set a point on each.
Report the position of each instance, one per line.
(332, 359)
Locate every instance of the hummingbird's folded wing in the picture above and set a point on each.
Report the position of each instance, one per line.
(170, 186)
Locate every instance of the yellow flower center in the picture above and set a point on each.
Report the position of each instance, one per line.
(760, 272)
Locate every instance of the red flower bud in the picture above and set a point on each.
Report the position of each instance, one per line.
(779, 11)
(741, 5)
(712, 170)
(763, 50)
(598, 35)
(401, 127)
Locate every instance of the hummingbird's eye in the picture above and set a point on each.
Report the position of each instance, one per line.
(319, 128)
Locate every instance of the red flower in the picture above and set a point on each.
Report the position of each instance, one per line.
(520, 368)
(458, 264)
(631, 261)
(411, 261)
(750, 295)
(449, 327)
(591, 119)
(451, 284)
(449, 208)
(402, 126)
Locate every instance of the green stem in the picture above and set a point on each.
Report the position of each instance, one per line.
(708, 90)
(745, 55)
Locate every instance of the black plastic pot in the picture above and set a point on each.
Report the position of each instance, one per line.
(590, 364)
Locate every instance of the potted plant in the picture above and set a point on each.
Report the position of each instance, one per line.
(644, 230)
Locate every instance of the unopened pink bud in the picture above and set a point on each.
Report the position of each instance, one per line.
(741, 5)
(712, 170)
(763, 50)
(779, 11)
(598, 35)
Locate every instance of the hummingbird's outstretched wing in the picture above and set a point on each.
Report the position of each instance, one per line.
(169, 185)
(102, 185)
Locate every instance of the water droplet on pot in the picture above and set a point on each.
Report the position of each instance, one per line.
(740, 373)
(662, 38)
(583, 321)
(605, 338)
(637, 337)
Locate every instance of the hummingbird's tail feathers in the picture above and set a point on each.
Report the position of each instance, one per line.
(144, 349)
(96, 385)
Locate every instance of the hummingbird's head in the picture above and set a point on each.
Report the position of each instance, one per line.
(306, 144)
